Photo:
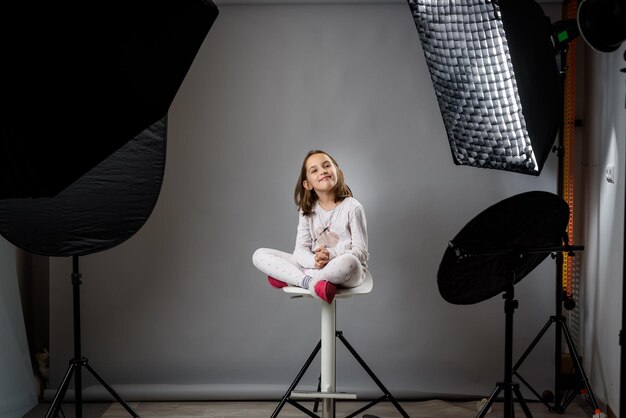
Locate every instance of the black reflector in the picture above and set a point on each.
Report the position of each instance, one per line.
(475, 265)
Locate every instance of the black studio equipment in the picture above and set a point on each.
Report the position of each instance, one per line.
(86, 91)
(495, 70)
(602, 23)
(478, 265)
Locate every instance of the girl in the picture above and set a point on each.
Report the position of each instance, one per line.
(331, 243)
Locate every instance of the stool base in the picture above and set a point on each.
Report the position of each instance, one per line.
(322, 395)
(289, 395)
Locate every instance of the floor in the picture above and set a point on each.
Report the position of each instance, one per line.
(415, 409)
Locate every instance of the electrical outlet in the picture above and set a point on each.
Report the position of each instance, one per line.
(610, 173)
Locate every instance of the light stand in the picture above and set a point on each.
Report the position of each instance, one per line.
(452, 39)
(561, 330)
(508, 386)
(79, 361)
(558, 319)
(515, 259)
(477, 266)
(57, 205)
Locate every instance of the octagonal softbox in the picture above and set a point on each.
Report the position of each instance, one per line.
(101, 209)
(80, 79)
(86, 90)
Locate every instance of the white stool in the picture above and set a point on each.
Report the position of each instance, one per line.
(327, 386)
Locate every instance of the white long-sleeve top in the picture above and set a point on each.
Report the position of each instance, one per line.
(343, 230)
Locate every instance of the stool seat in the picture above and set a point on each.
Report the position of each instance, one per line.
(342, 292)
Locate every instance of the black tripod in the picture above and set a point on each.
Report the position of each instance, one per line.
(564, 390)
(79, 361)
(477, 266)
(508, 386)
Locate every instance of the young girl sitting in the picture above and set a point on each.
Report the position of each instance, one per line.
(331, 242)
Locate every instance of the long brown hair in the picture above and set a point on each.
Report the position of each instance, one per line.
(305, 199)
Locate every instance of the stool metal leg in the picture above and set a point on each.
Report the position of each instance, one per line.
(295, 382)
(328, 382)
(369, 371)
(316, 405)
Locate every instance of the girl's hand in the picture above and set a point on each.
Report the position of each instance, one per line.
(320, 264)
(322, 257)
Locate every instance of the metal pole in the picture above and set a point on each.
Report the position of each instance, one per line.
(78, 383)
(328, 354)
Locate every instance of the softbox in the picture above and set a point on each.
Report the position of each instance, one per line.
(86, 90)
(101, 209)
(499, 112)
(83, 78)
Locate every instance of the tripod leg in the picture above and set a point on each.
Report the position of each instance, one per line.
(53, 411)
(579, 366)
(539, 397)
(78, 392)
(371, 374)
(522, 402)
(492, 398)
(526, 353)
(533, 344)
(569, 398)
(297, 379)
(111, 391)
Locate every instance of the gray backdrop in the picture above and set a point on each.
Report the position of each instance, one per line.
(179, 311)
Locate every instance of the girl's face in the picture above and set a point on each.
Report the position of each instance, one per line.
(321, 173)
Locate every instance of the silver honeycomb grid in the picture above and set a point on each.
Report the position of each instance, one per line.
(470, 66)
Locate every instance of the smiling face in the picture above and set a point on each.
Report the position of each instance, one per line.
(321, 180)
(321, 174)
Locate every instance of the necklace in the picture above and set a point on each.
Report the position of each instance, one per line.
(328, 222)
(324, 235)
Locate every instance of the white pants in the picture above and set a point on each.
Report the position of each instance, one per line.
(345, 270)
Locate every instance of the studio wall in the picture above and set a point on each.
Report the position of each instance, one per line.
(179, 311)
(603, 142)
(17, 384)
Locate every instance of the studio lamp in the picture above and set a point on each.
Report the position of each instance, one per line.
(602, 23)
(493, 65)
(80, 79)
(83, 144)
(478, 265)
(499, 112)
